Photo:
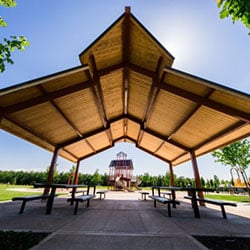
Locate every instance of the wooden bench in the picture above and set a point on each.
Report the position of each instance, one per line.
(167, 193)
(164, 200)
(215, 202)
(24, 199)
(79, 191)
(82, 198)
(102, 192)
(144, 195)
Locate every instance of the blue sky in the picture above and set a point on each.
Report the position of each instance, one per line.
(59, 30)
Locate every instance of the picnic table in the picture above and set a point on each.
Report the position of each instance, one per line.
(193, 195)
(52, 194)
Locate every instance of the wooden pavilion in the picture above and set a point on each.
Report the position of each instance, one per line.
(125, 90)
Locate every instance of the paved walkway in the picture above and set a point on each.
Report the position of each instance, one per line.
(123, 221)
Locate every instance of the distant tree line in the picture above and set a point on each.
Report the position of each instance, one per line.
(146, 180)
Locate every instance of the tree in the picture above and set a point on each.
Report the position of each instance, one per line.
(237, 9)
(96, 178)
(9, 45)
(234, 155)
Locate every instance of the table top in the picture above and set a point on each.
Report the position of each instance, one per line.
(58, 185)
(184, 188)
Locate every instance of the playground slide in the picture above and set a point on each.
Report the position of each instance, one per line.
(121, 184)
(137, 186)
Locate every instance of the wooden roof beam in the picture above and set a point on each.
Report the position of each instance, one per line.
(90, 145)
(84, 136)
(181, 155)
(43, 79)
(206, 102)
(164, 138)
(153, 93)
(188, 116)
(68, 152)
(126, 36)
(30, 131)
(223, 133)
(141, 70)
(42, 99)
(125, 89)
(149, 131)
(153, 154)
(94, 153)
(74, 128)
(109, 135)
(125, 57)
(111, 69)
(159, 147)
(96, 78)
(119, 67)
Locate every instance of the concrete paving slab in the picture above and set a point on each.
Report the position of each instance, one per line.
(123, 221)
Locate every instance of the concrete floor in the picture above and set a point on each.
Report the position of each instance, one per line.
(124, 221)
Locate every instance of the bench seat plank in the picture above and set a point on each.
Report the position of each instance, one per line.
(81, 198)
(29, 198)
(164, 201)
(102, 192)
(215, 202)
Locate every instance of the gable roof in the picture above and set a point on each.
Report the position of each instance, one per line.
(125, 91)
(120, 164)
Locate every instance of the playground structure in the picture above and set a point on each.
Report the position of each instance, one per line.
(240, 180)
(121, 174)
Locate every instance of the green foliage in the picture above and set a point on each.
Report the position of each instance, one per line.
(20, 240)
(96, 178)
(8, 3)
(216, 182)
(29, 178)
(10, 45)
(239, 10)
(234, 155)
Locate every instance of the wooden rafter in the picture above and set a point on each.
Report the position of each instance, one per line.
(84, 136)
(155, 155)
(42, 99)
(71, 124)
(31, 131)
(188, 116)
(70, 153)
(126, 59)
(164, 138)
(153, 93)
(180, 156)
(221, 134)
(206, 102)
(90, 145)
(96, 78)
(126, 36)
(160, 146)
(94, 153)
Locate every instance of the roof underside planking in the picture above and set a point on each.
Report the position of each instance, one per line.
(125, 90)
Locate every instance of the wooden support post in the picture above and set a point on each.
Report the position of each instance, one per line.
(171, 172)
(75, 181)
(196, 175)
(51, 170)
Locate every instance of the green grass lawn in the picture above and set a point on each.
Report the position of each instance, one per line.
(7, 192)
(227, 197)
